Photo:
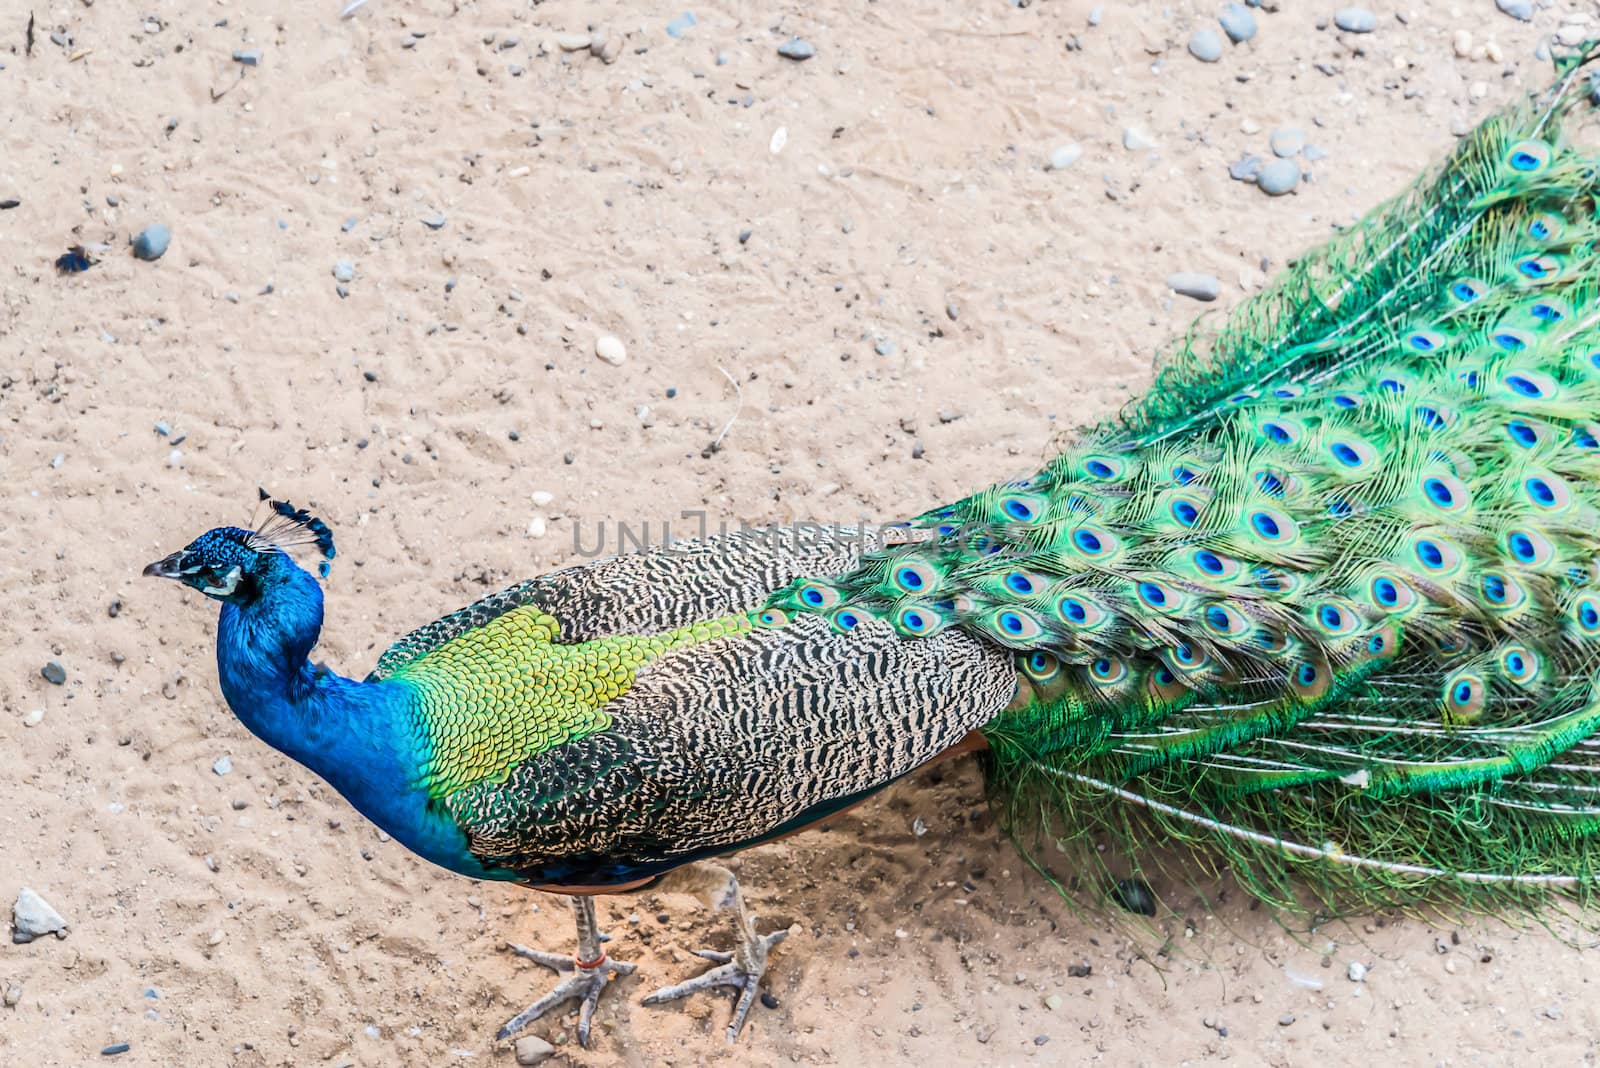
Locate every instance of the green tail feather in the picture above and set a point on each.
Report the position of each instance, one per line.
(1325, 598)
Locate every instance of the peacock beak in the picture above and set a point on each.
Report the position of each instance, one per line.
(167, 567)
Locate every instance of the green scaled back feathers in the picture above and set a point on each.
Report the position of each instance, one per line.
(1327, 599)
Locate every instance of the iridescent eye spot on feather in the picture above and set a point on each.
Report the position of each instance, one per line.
(1185, 510)
(1584, 436)
(1275, 580)
(1225, 621)
(1426, 340)
(1547, 312)
(1269, 482)
(1353, 454)
(1156, 596)
(1015, 624)
(1380, 642)
(1041, 666)
(1186, 657)
(1519, 665)
(1216, 565)
(1464, 698)
(1080, 612)
(1547, 227)
(1273, 526)
(846, 619)
(1436, 555)
(816, 596)
(1530, 384)
(1446, 493)
(1429, 417)
(1392, 383)
(1502, 592)
(1469, 378)
(918, 621)
(915, 578)
(1393, 594)
(1335, 620)
(1529, 548)
(1278, 433)
(1507, 339)
(1586, 613)
(1021, 509)
(1288, 392)
(1522, 433)
(1272, 641)
(1539, 268)
(1547, 492)
(771, 617)
(1467, 290)
(1105, 468)
(1527, 157)
(1309, 679)
(1021, 583)
(1346, 401)
(1108, 670)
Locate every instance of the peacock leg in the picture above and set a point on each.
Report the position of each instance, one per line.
(591, 971)
(743, 968)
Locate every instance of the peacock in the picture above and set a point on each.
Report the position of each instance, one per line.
(1323, 606)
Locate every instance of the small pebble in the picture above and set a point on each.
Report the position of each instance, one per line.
(13, 995)
(1517, 9)
(1357, 972)
(1287, 141)
(682, 24)
(151, 242)
(885, 348)
(1278, 177)
(531, 1049)
(1286, 1019)
(1245, 168)
(1313, 154)
(33, 717)
(223, 765)
(569, 42)
(1136, 140)
(54, 673)
(250, 57)
(1054, 1002)
(768, 999)
(1065, 156)
(114, 1049)
(1238, 23)
(1205, 46)
(797, 49)
(434, 221)
(348, 225)
(1097, 15)
(344, 271)
(611, 350)
(1355, 20)
(952, 312)
(32, 917)
(1197, 286)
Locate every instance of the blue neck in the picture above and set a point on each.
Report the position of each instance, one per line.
(358, 736)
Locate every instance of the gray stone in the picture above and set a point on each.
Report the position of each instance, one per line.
(435, 221)
(13, 995)
(223, 765)
(1287, 141)
(681, 25)
(32, 917)
(151, 242)
(1313, 153)
(1356, 971)
(53, 672)
(1205, 46)
(1278, 177)
(1194, 285)
(1238, 23)
(1245, 168)
(531, 1049)
(249, 57)
(1097, 15)
(1136, 140)
(1355, 20)
(797, 49)
(1517, 9)
(344, 271)
(1064, 157)
(886, 348)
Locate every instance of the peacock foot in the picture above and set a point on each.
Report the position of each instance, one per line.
(590, 975)
(742, 971)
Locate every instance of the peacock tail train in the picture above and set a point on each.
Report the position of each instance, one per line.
(1326, 601)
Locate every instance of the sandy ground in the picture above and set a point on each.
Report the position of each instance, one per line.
(422, 413)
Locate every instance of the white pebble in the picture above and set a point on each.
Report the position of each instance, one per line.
(1065, 156)
(175, 458)
(1356, 971)
(1461, 43)
(33, 718)
(1136, 140)
(611, 350)
(780, 137)
(542, 498)
(536, 527)
(572, 42)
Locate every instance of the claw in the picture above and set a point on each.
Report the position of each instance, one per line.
(743, 975)
(585, 985)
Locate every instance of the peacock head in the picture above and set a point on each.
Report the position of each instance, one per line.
(236, 565)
